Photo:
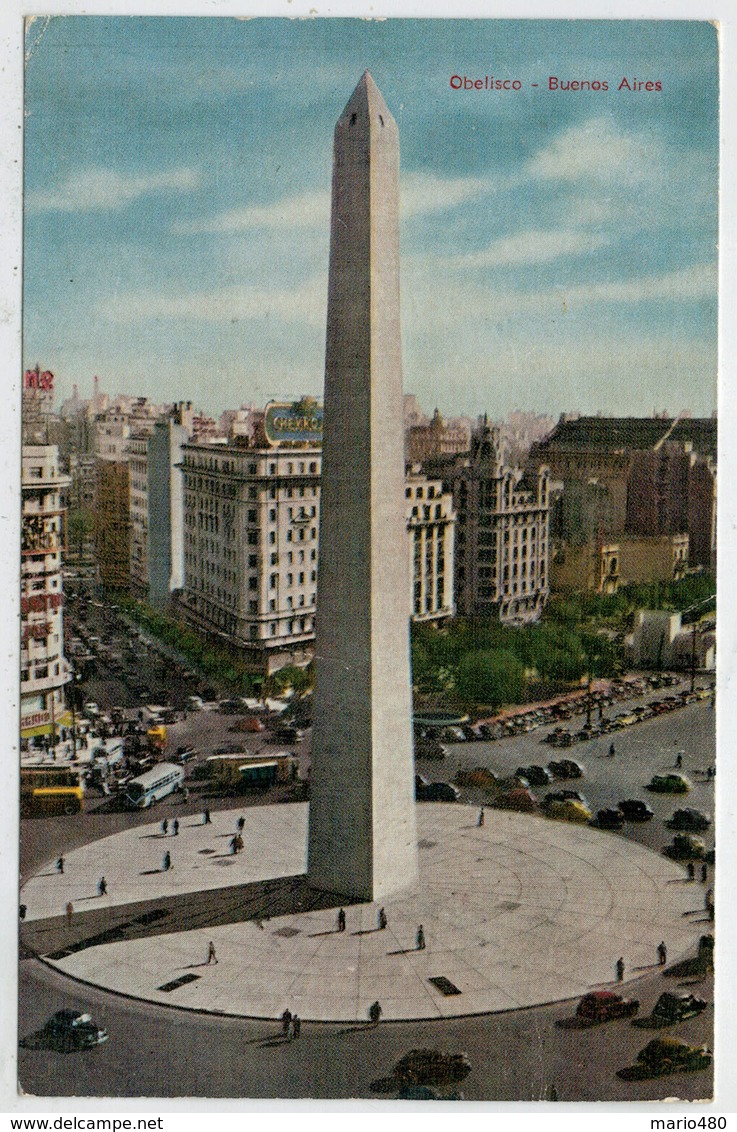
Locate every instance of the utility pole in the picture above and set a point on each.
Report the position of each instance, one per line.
(693, 655)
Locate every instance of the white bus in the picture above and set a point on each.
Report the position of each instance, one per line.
(155, 784)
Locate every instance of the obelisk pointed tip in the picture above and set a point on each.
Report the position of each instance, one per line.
(367, 98)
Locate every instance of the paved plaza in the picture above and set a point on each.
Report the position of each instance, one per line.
(518, 912)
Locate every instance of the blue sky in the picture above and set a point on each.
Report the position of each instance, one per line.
(559, 249)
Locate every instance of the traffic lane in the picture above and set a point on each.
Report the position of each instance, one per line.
(642, 750)
(158, 1052)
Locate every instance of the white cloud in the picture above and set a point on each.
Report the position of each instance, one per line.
(421, 193)
(597, 151)
(306, 304)
(305, 211)
(104, 189)
(532, 247)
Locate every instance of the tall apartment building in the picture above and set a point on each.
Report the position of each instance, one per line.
(44, 670)
(166, 505)
(138, 507)
(431, 524)
(502, 537)
(250, 547)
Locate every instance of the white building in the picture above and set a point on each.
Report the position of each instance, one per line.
(138, 502)
(431, 524)
(166, 506)
(44, 670)
(250, 547)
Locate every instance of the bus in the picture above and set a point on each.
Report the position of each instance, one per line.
(155, 784)
(49, 790)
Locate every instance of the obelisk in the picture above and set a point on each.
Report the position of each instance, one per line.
(362, 841)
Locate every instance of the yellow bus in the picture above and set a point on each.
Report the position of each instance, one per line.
(50, 790)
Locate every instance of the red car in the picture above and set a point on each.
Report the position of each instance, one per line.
(603, 1006)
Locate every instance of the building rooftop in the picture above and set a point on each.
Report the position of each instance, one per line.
(621, 433)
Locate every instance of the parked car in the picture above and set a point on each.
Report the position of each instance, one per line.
(184, 754)
(195, 703)
(686, 847)
(431, 1067)
(566, 768)
(667, 1055)
(535, 775)
(609, 819)
(636, 810)
(70, 1030)
(603, 1006)
(568, 811)
(671, 1008)
(429, 749)
(479, 777)
(689, 819)
(669, 784)
(519, 799)
(564, 796)
(288, 733)
(437, 792)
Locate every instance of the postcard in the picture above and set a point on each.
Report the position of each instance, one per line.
(368, 548)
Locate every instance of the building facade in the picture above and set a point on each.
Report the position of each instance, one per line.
(502, 534)
(166, 507)
(138, 505)
(250, 547)
(44, 670)
(431, 523)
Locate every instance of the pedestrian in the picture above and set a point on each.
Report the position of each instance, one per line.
(101, 887)
(286, 1021)
(167, 861)
(238, 842)
(662, 953)
(60, 864)
(619, 968)
(211, 956)
(480, 821)
(233, 843)
(704, 872)
(341, 920)
(375, 1012)
(69, 912)
(690, 870)
(420, 940)
(710, 910)
(22, 911)
(382, 920)
(708, 897)
(296, 1025)
(165, 827)
(175, 827)
(241, 824)
(679, 761)
(185, 794)
(611, 750)
(208, 819)
(204, 817)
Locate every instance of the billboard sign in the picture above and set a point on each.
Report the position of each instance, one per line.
(299, 422)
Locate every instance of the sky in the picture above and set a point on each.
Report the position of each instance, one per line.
(559, 247)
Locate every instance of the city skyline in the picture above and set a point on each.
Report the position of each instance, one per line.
(558, 248)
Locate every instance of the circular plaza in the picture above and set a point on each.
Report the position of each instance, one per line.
(515, 913)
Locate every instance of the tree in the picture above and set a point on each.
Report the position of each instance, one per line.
(492, 678)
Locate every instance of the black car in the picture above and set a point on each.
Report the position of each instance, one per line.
(565, 796)
(437, 792)
(692, 820)
(69, 1030)
(566, 768)
(535, 775)
(635, 810)
(609, 819)
(671, 1008)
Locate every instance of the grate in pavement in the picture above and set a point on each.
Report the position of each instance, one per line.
(444, 985)
(180, 982)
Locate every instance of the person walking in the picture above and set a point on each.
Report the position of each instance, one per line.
(69, 913)
(662, 953)
(60, 864)
(211, 956)
(375, 1013)
(708, 897)
(704, 872)
(238, 843)
(382, 920)
(420, 939)
(101, 887)
(480, 820)
(164, 827)
(679, 760)
(341, 920)
(233, 845)
(690, 870)
(611, 751)
(296, 1025)
(175, 827)
(167, 861)
(208, 819)
(619, 968)
(241, 823)
(286, 1022)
